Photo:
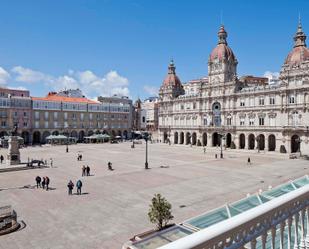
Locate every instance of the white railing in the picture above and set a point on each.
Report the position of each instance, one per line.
(279, 214)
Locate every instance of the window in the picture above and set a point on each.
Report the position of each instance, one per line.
(90, 116)
(37, 115)
(46, 115)
(3, 124)
(25, 114)
(251, 101)
(82, 116)
(242, 102)
(46, 124)
(65, 115)
(291, 99)
(194, 105)
(15, 114)
(271, 100)
(251, 122)
(261, 121)
(182, 107)
(55, 115)
(144, 120)
(242, 121)
(55, 124)
(261, 101)
(25, 124)
(229, 121)
(36, 124)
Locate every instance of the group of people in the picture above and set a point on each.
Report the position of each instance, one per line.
(42, 182)
(79, 185)
(79, 157)
(85, 170)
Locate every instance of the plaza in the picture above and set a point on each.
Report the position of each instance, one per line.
(114, 204)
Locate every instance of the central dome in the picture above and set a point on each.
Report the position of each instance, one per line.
(171, 78)
(222, 51)
(300, 52)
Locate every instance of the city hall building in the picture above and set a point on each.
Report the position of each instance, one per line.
(242, 113)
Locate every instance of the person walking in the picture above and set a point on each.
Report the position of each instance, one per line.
(79, 185)
(83, 170)
(51, 162)
(249, 161)
(43, 183)
(88, 170)
(204, 150)
(70, 187)
(109, 165)
(38, 181)
(1, 159)
(46, 182)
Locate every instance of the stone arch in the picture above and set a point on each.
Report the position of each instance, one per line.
(81, 136)
(228, 140)
(105, 132)
(74, 134)
(125, 134)
(176, 137)
(90, 133)
(119, 133)
(204, 139)
(271, 142)
(251, 142)
(188, 138)
(261, 142)
(45, 135)
(295, 143)
(113, 133)
(242, 141)
(26, 136)
(216, 141)
(3, 133)
(181, 138)
(193, 138)
(55, 133)
(36, 137)
(165, 137)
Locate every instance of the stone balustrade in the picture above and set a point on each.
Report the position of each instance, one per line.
(270, 225)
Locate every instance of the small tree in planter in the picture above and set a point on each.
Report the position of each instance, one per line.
(160, 211)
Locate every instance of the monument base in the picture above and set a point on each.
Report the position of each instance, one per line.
(13, 156)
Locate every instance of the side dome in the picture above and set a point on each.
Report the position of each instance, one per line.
(171, 78)
(300, 52)
(222, 51)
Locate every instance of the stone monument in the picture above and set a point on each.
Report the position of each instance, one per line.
(13, 156)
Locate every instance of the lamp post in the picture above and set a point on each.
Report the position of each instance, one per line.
(169, 135)
(146, 137)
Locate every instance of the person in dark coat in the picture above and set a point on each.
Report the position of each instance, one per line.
(70, 187)
(38, 181)
(1, 158)
(43, 183)
(109, 164)
(249, 161)
(47, 182)
(88, 170)
(83, 170)
(79, 185)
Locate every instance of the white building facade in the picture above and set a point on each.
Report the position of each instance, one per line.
(240, 114)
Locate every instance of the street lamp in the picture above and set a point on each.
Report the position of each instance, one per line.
(169, 135)
(146, 137)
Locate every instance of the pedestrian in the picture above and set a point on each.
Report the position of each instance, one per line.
(216, 156)
(109, 165)
(88, 170)
(204, 150)
(80, 157)
(70, 187)
(249, 161)
(79, 185)
(77, 157)
(83, 170)
(51, 162)
(1, 159)
(45, 162)
(43, 183)
(38, 181)
(46, 182)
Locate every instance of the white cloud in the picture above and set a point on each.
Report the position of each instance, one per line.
(91, 84)
(271, 75)
(27, 75)
(4, 76)
(151, 90)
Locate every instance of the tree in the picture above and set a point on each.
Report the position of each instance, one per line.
(160, 211)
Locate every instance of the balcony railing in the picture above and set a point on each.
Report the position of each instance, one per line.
(282, 222)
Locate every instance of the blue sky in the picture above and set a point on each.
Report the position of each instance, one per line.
(107, 47)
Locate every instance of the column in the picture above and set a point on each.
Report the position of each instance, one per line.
(290, 219)
(253, 244)
(307, 236)
(264, 239)
(282, 226)
(302, 244)
(273, 237)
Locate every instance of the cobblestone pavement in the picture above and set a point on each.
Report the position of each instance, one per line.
(115, 203)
